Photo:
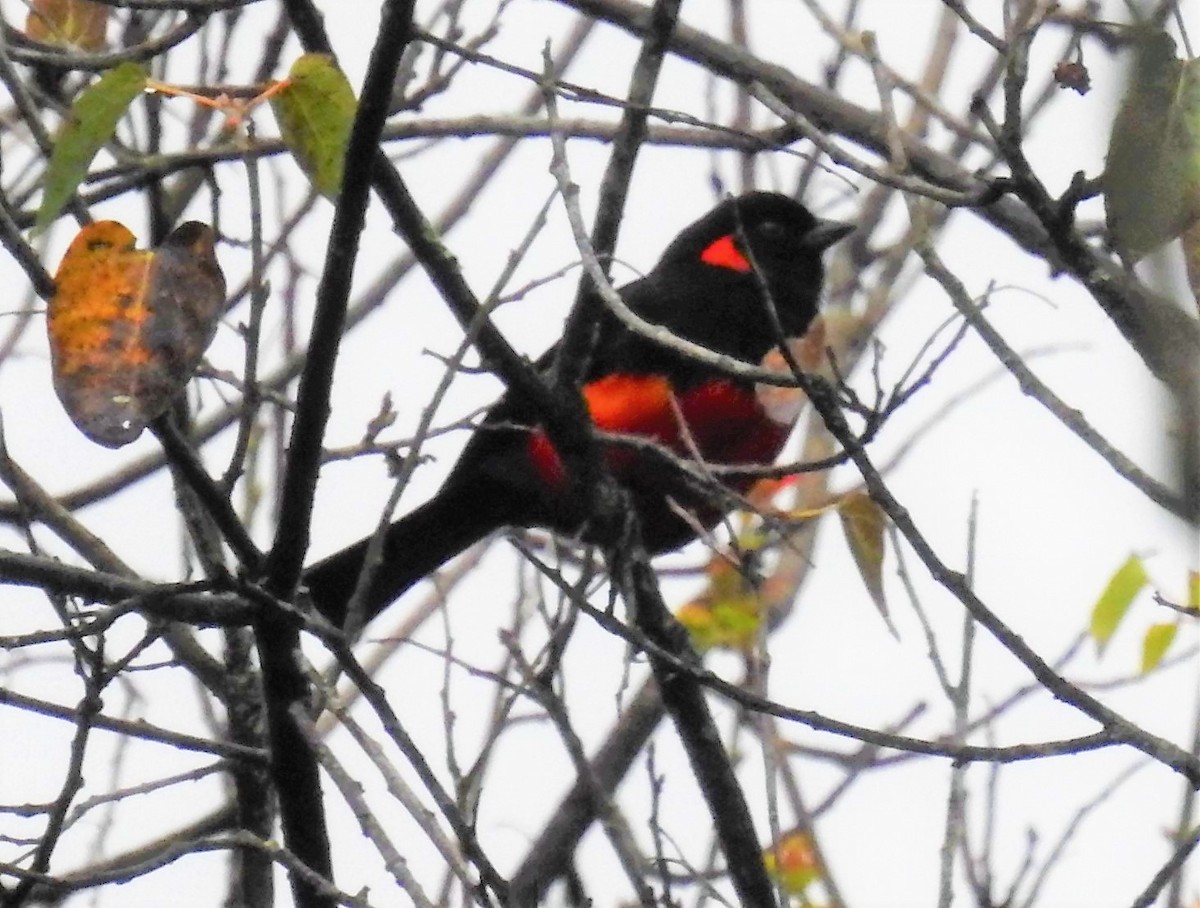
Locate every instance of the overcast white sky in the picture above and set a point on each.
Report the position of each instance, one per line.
(1053, 521)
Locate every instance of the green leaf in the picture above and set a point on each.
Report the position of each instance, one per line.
(1152, 172)
(315, 111)
(1155, 644)
(1114, 602)
(93, 122)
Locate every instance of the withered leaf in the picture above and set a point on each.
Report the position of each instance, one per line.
(128, 327)
(864, 522)
(68, 23)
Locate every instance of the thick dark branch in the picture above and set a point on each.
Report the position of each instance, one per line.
(549, 857)
(294, 767)
(183, 457)
(683, 698)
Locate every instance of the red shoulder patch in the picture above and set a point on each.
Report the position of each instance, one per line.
(724, 253)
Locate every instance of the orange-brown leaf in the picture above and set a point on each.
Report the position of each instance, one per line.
(793, 862)
(68, 23)
(128, 327)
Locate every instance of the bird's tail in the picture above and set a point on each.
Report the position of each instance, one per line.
(413, 547)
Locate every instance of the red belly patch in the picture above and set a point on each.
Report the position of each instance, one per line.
(725, 423)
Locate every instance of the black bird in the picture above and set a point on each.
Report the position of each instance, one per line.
(708, 287)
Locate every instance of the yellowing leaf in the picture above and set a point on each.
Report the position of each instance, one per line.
(1193, 600)
(128, 327)
(1114, 602)
(68, 23)
(315, 110)
(1155, 644)
(863, 522)
(93, 121)
(793, 862)
(728, 614)
(810, 513)
(1152, 172)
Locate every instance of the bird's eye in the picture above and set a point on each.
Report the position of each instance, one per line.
(773, 231)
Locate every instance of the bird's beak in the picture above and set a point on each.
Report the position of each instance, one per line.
(825, 233)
